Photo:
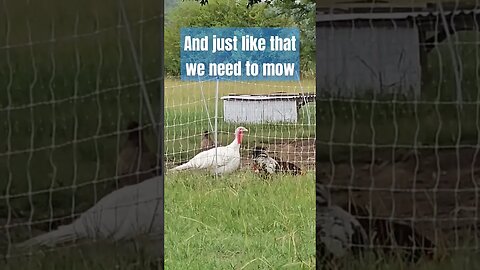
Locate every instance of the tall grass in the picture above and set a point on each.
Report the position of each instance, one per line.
(239, 222)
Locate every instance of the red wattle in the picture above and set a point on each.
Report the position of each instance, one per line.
(239, 137)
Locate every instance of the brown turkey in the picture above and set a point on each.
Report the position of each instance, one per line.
(395, 238)
(206, 143)
(136, 162)
(339, 231)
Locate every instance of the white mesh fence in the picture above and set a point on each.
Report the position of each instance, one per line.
(398, 114)
(190, 111)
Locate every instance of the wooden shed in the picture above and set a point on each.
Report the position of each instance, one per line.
(382, 47)
(260, 109)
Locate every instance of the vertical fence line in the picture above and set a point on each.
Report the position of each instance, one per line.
(216, 127)
(138, 68)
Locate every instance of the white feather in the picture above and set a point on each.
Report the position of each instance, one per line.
(227, 161)
(337, 228)
(120, 215)
(266, 163)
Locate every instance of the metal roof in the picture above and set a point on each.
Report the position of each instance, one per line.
(413, 5)
(329, 17)
(269, 97)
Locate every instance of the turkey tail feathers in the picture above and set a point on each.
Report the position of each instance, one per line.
(61, 235)
(181, 167)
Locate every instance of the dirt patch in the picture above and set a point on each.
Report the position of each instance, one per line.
(437, 191)
(300, 152)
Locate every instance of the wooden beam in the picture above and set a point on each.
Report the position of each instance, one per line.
(352, 5)
(447, 4)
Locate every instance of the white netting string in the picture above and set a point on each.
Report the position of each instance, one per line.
(186, 120)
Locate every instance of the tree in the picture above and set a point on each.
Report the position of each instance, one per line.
(219, 13)
(230, 13)
(302, 12)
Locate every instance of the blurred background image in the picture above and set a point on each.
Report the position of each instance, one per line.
(397, 103)
(79, 102)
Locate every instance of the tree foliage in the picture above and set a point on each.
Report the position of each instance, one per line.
(241, 13)
(302, 12)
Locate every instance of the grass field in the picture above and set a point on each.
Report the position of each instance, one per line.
(239, 222)
(464, 260)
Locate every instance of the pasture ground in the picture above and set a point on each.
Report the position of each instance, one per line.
(436, 192)
(239, 221)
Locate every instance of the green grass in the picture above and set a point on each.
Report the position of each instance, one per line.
(460, 260)
(90, 256)
(239, 222)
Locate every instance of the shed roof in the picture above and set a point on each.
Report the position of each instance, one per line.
(275, 96)
(330, 17)
(411, 4)
(341, 10)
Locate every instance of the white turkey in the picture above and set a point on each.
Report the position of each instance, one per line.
(227, 161)
(121, 215)
(338, 232)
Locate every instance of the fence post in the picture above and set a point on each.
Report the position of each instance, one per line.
(216, 127)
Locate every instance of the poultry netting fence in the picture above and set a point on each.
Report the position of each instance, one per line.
(284, 128)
